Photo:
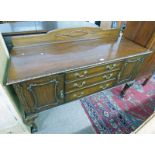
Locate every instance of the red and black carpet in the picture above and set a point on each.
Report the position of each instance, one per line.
(110, 114)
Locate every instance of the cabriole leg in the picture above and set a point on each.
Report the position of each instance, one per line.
(30, 122)
(146, 80)
(126, 87)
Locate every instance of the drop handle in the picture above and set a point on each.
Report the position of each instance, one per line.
(107, 76)
(80, 95)
(79, 85)
(110, 67)
(81, 75)
(104, 86)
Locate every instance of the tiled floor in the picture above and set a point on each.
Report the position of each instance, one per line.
(67, 118)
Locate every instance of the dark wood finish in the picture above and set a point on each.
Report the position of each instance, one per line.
(126, 87)
(143, 33)
(65, 35)
(148, 67)
(30, 121)
(140, 32)
(130, 69)
(41, 60)
(80, 84)
(89, 90)
(40, 94)
(90, 71)
(149, 63)
(65, 65)
(146, 80)
(125, 71)
(30, 27)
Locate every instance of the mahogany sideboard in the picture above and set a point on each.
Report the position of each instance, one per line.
(63, 65)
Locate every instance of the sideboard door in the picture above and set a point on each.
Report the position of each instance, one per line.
(130, 69)
(40, 94)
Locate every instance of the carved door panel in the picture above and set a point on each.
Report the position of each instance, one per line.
(42, 93)
(130, 69)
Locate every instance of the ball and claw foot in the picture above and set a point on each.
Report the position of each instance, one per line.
(34, 128)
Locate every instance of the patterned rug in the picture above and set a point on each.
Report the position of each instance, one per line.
(110, 114)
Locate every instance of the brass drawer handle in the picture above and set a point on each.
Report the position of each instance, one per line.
(80, 95)
(104, 86)
(79, 85)
(108, 76)
(81, 75)
(110, 67)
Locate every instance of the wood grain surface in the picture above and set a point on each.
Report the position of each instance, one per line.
(34, 61)
(140, 31)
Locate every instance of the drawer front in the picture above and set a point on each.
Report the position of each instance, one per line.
(74, 86)
(90, 90)
(83, 73)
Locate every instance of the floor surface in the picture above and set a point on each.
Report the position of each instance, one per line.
(69, 118)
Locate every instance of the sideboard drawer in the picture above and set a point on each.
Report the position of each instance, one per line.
(74, 86)
(83, 73)
(88, 91)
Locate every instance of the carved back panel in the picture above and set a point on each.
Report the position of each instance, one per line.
(65, 35)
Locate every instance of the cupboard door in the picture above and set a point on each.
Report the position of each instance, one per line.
(130, 69)
(42, 93)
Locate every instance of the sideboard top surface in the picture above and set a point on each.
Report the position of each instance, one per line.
(29, 62)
